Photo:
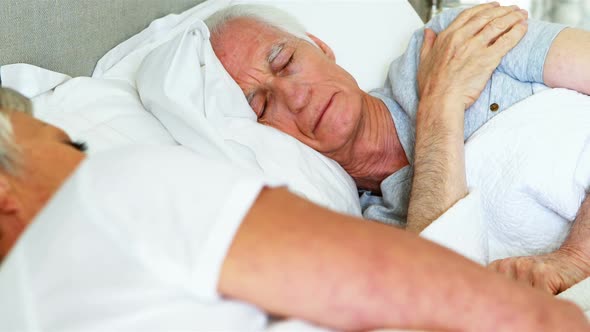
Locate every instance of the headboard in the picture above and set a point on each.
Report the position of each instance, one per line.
(70, 36)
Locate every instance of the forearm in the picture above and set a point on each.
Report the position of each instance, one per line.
(578, 241)
(439, 162)
(567, 64)
(295, 259)
(455, 66)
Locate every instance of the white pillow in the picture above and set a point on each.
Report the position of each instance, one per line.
(107, 113)
(186, 87)
(104, 113)
(366, 35)
(122, 61)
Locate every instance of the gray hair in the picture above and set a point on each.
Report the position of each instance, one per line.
(268, 15)
(10, 101)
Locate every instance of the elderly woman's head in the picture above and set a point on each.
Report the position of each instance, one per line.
(35, 159)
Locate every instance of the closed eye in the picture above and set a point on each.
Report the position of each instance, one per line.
(258, 103)
(288, 62)
(78, 145)
(262, 110)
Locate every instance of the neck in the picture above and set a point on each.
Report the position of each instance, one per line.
(375, 152)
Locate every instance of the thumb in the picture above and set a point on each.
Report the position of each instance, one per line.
(429, 38)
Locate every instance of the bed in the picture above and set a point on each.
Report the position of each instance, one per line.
(45, 35)
(125, 51)
(122, 46)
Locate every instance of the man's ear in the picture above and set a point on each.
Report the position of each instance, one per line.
(323, 46)
(9, 204)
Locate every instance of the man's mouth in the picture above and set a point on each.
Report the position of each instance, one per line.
(323, 112)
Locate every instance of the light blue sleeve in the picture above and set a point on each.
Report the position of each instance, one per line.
(526, 60)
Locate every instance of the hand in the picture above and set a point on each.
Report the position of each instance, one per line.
(457, 64)
(552, 273)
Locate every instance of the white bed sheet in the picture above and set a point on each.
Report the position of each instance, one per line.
(117, 73)
(528, 170)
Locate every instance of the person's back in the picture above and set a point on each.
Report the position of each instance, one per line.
(129, 243)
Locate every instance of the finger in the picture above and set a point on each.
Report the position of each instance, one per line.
(541, 282)
(547, 280)
(462, 37)
(493, 19)
(510, 272)
(499, 26)
(506, 267)
(507, 41)
(467, 14)
(429, 38)
(494, 265)
(524, 271)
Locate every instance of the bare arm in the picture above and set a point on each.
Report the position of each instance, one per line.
(567, 64)
(439, 165)
(578, 241)
(295, 259)
(557, 271)
(454, 69)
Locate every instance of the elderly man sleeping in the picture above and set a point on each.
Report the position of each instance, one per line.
(410, 133)
(123, 246)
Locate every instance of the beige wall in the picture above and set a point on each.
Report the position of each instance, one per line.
(69, 36)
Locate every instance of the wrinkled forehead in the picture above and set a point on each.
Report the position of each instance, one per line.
(26, 127)
(244, 44)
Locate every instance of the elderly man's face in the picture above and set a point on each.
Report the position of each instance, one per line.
(291, 84)
(48, 157)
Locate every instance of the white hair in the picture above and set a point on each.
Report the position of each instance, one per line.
(268, 15)
(10, 101)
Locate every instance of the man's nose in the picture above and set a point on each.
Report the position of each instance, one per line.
(295, 95)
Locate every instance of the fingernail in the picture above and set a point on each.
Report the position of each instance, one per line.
(495, 3)
(524, 11)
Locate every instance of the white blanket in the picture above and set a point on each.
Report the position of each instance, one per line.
(527, 170)
(523, 207)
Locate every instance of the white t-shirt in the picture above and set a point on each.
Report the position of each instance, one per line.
(134, 240)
